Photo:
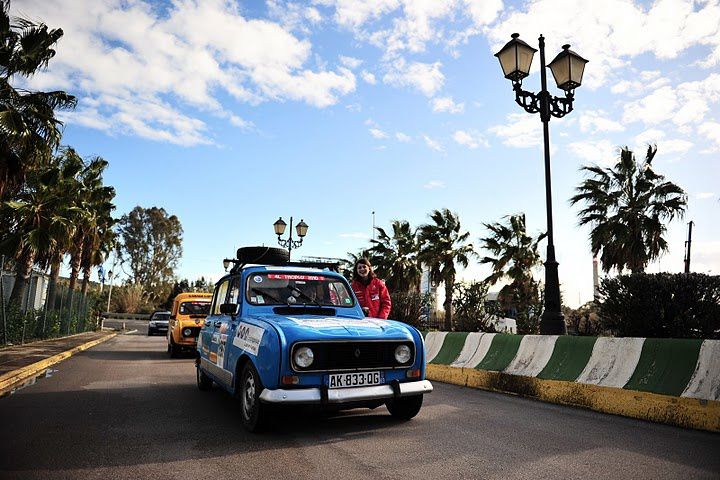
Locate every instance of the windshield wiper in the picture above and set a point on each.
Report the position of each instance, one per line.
(297, 292)
(260, 292)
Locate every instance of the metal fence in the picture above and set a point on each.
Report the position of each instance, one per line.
(71, 314)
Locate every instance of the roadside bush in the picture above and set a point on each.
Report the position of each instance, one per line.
(469, 310)
(411, 307)
(661, 305)
(583, 321)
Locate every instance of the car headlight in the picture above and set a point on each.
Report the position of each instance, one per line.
(402, 354)
(152, 324)
(187, 332)
(303, 357)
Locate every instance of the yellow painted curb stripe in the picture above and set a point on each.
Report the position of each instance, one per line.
(679, 411)
(12, 379)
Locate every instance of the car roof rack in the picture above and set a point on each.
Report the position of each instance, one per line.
(332, 266)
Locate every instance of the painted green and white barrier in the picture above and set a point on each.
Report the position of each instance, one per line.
(589, 371)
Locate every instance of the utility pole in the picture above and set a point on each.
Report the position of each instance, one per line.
(688, 244)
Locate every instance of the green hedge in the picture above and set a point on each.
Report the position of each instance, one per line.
(661, 305)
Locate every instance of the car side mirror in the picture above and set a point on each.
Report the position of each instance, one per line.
(366, 311)
(229, 309)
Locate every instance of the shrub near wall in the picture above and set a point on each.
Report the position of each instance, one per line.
(661, 305)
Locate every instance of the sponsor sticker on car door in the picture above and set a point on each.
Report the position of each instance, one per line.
(248, 337)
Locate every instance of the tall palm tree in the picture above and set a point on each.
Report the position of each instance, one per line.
(70, 165)
(29, 131)
(40, 217)
(397, 257)
(514, 255)
(515, 252)
(627, 206)
(442, 246)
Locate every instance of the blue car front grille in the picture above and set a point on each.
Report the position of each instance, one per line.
(337, 356)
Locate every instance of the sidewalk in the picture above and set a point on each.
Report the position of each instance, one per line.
(19, 363)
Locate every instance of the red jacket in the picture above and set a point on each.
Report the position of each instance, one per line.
(374, 296)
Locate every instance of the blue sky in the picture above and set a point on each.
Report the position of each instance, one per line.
(230, 114)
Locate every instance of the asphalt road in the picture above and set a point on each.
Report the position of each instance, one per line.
(125, 410)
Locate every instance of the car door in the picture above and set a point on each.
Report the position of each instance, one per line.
(225, 325)
(208, 341)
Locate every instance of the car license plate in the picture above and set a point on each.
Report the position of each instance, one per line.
(361, 379)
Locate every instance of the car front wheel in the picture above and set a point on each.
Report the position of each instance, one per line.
(405, 408)
(254, 413)
(204, 382)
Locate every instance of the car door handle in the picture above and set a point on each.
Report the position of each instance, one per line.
(218, 323)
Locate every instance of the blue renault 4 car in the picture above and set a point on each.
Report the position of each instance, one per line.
(282, 333)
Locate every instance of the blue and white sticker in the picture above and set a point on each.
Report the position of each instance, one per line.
(257, 279)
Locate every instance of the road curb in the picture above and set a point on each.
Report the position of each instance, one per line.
(679, 411)
(12, 379)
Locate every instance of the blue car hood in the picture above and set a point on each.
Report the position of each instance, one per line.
(319, 327)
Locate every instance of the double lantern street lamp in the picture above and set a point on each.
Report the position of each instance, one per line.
(567, 68)
(301, 230)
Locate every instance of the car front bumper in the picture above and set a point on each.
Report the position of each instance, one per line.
(345, 395)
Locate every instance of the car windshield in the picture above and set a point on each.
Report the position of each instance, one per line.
(161, 316)
(194, 308)
(298, 289)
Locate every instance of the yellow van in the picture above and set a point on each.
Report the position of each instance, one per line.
(186, 319)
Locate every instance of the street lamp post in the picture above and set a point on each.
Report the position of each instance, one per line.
(567, 68)
(301, 230)
(110, 279)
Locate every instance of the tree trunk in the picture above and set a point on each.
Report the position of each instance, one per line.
(22, 274)
(74, 272)
(52, 285)
(449, 283)
(86, 281)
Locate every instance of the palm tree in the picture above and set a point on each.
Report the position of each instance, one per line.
(40, 217)
(29, 131)
(515, 252)
(442, 245)
(397, 257)
(627, 206)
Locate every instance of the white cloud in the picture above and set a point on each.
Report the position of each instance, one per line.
(684, 105)
(403, 138)
(711, 131)
(446, 104)
(520, 131)
(432, 184)
(665, 145)
(368, 77)
(433, 144)
(470, 139)
(134, 61)
(293, 16)
(704, 195)
(424, 77)
(601, 152)
(377, 133)
(596, 121)
(350, 62)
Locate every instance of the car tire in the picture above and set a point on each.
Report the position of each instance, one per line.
(269, 255)
(150, 332)
(405, 408)
(173, 349)
(204, 382)
(253, 413)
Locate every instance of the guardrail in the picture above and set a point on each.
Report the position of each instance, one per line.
(125, 316)
(674, 381)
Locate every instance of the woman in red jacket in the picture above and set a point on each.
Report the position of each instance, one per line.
(370, 290)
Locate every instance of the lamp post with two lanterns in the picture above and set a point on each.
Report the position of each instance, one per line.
(567, 68)
(301, 230)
